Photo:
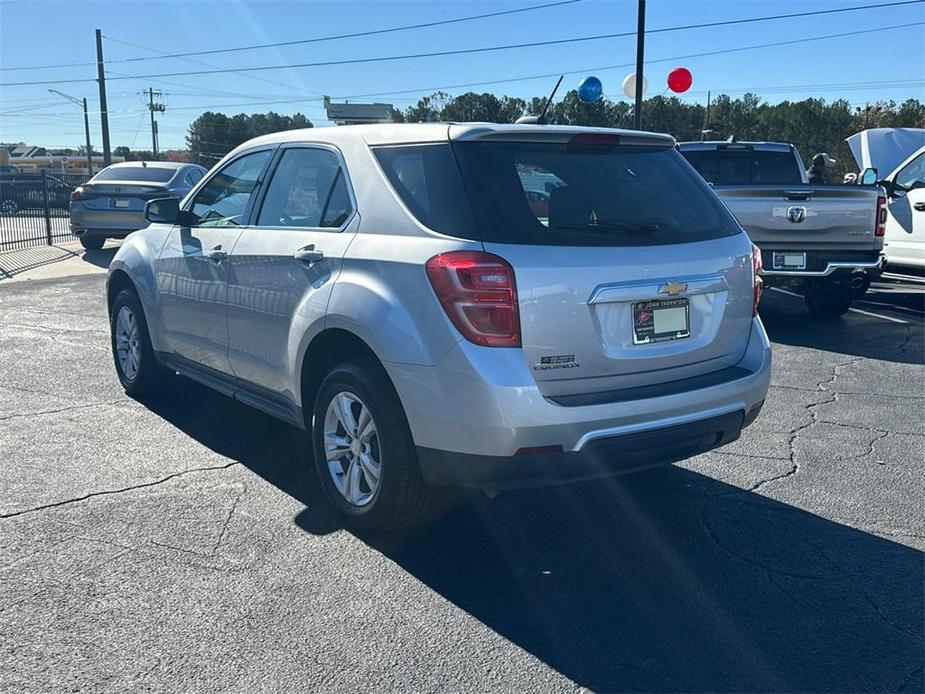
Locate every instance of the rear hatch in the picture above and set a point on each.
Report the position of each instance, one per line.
(636, 274)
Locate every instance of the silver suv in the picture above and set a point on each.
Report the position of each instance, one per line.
(397, 292)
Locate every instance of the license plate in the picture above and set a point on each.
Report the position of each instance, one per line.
(120, 204)
(658, 321)
(785, 260)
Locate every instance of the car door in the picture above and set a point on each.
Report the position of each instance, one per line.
(904, 242)
(192, 271)
(283, 267)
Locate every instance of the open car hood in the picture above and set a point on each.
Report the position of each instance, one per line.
(885, 148)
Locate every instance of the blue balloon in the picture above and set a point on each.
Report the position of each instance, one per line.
(590, 90)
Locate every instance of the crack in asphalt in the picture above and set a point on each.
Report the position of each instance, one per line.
(64, 409)
(110, 492)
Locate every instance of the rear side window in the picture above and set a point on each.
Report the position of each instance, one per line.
(426, 178)
(148, 174)
(745, 167)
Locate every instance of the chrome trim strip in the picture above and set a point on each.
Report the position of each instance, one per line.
(649, 289)
(658, 424)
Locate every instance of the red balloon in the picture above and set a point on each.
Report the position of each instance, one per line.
(680, 80)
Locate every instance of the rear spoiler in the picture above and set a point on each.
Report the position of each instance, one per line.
(551, 134)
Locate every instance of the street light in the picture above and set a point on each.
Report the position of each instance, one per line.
(81, 102)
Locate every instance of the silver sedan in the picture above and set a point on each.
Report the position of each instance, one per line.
(112, 203)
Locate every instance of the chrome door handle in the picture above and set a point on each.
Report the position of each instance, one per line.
(920, 206)
(216, 255)
(308, 255)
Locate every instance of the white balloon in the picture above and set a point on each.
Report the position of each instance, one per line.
(629, 85)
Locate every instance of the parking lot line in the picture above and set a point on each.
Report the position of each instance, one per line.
(855, 310)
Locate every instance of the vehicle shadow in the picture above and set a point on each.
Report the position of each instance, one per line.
(101, 258)
(663, 581)
(789, 323)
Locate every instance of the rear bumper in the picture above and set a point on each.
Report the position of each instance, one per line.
(818, 265)
(612, 455)
(469, 423)
(108, 223)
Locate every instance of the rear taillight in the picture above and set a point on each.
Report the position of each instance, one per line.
(880, 226)
(77, 194)
(758, 283)
(478, 293)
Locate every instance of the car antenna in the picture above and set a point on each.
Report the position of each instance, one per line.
(541, 119)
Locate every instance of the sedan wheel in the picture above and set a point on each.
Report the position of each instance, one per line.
(351, 446)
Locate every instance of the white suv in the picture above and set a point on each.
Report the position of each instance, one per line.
(397, 292)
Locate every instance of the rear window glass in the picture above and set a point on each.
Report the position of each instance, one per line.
(557, 193)
(150, 174)
(745, 167)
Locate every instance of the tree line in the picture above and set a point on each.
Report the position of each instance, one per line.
(813, 125)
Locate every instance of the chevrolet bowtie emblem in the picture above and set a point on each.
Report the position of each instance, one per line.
(673, 288)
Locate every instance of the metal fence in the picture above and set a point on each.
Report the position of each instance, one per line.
(34, 209)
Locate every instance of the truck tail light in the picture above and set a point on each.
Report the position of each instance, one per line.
(880, 226)
(478, 293)
(758, 283)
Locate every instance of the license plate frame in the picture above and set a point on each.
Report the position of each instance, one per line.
(788, 260)
(120, 203)
(661, 320)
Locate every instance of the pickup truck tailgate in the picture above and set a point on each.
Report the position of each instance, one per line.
(806, 217)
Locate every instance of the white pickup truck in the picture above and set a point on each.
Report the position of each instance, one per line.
(825, 241)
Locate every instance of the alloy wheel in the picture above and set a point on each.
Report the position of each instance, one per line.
(351, 446)
(128, 347)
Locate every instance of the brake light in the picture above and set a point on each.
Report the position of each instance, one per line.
(478, 293)
(880, 225)
(758, 283)
(77, 194)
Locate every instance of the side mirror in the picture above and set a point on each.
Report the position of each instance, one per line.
(167, 211)
(868, 177)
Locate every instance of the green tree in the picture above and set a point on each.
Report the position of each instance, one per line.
(213, 135)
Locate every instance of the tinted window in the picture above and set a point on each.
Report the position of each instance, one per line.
(223, 200)
(193, 176)
(150, 174)
(913, 174)
(745, 167)
(308, 189)
(601, 195)
(427, 180)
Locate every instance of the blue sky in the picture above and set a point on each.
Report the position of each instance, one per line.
(40, 32)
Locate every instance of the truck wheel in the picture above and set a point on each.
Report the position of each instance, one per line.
(364, 453)
(828, 300)
(92, 243)
(862, 286)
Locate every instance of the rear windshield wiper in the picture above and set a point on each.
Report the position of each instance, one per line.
(613, 225)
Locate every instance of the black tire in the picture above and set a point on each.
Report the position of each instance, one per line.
(401, 500)
(862, 288)
(92, 243)
(150, 377)
(828, 300)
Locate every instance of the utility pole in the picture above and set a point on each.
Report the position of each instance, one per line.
(155, 107)
(83, 103)
(104, 110)
(640, 51)
(706, 119)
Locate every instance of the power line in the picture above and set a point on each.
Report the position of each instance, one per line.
(372, 32)
(548, 75)
(464, 51)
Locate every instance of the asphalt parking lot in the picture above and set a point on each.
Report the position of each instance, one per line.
(179, 544)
